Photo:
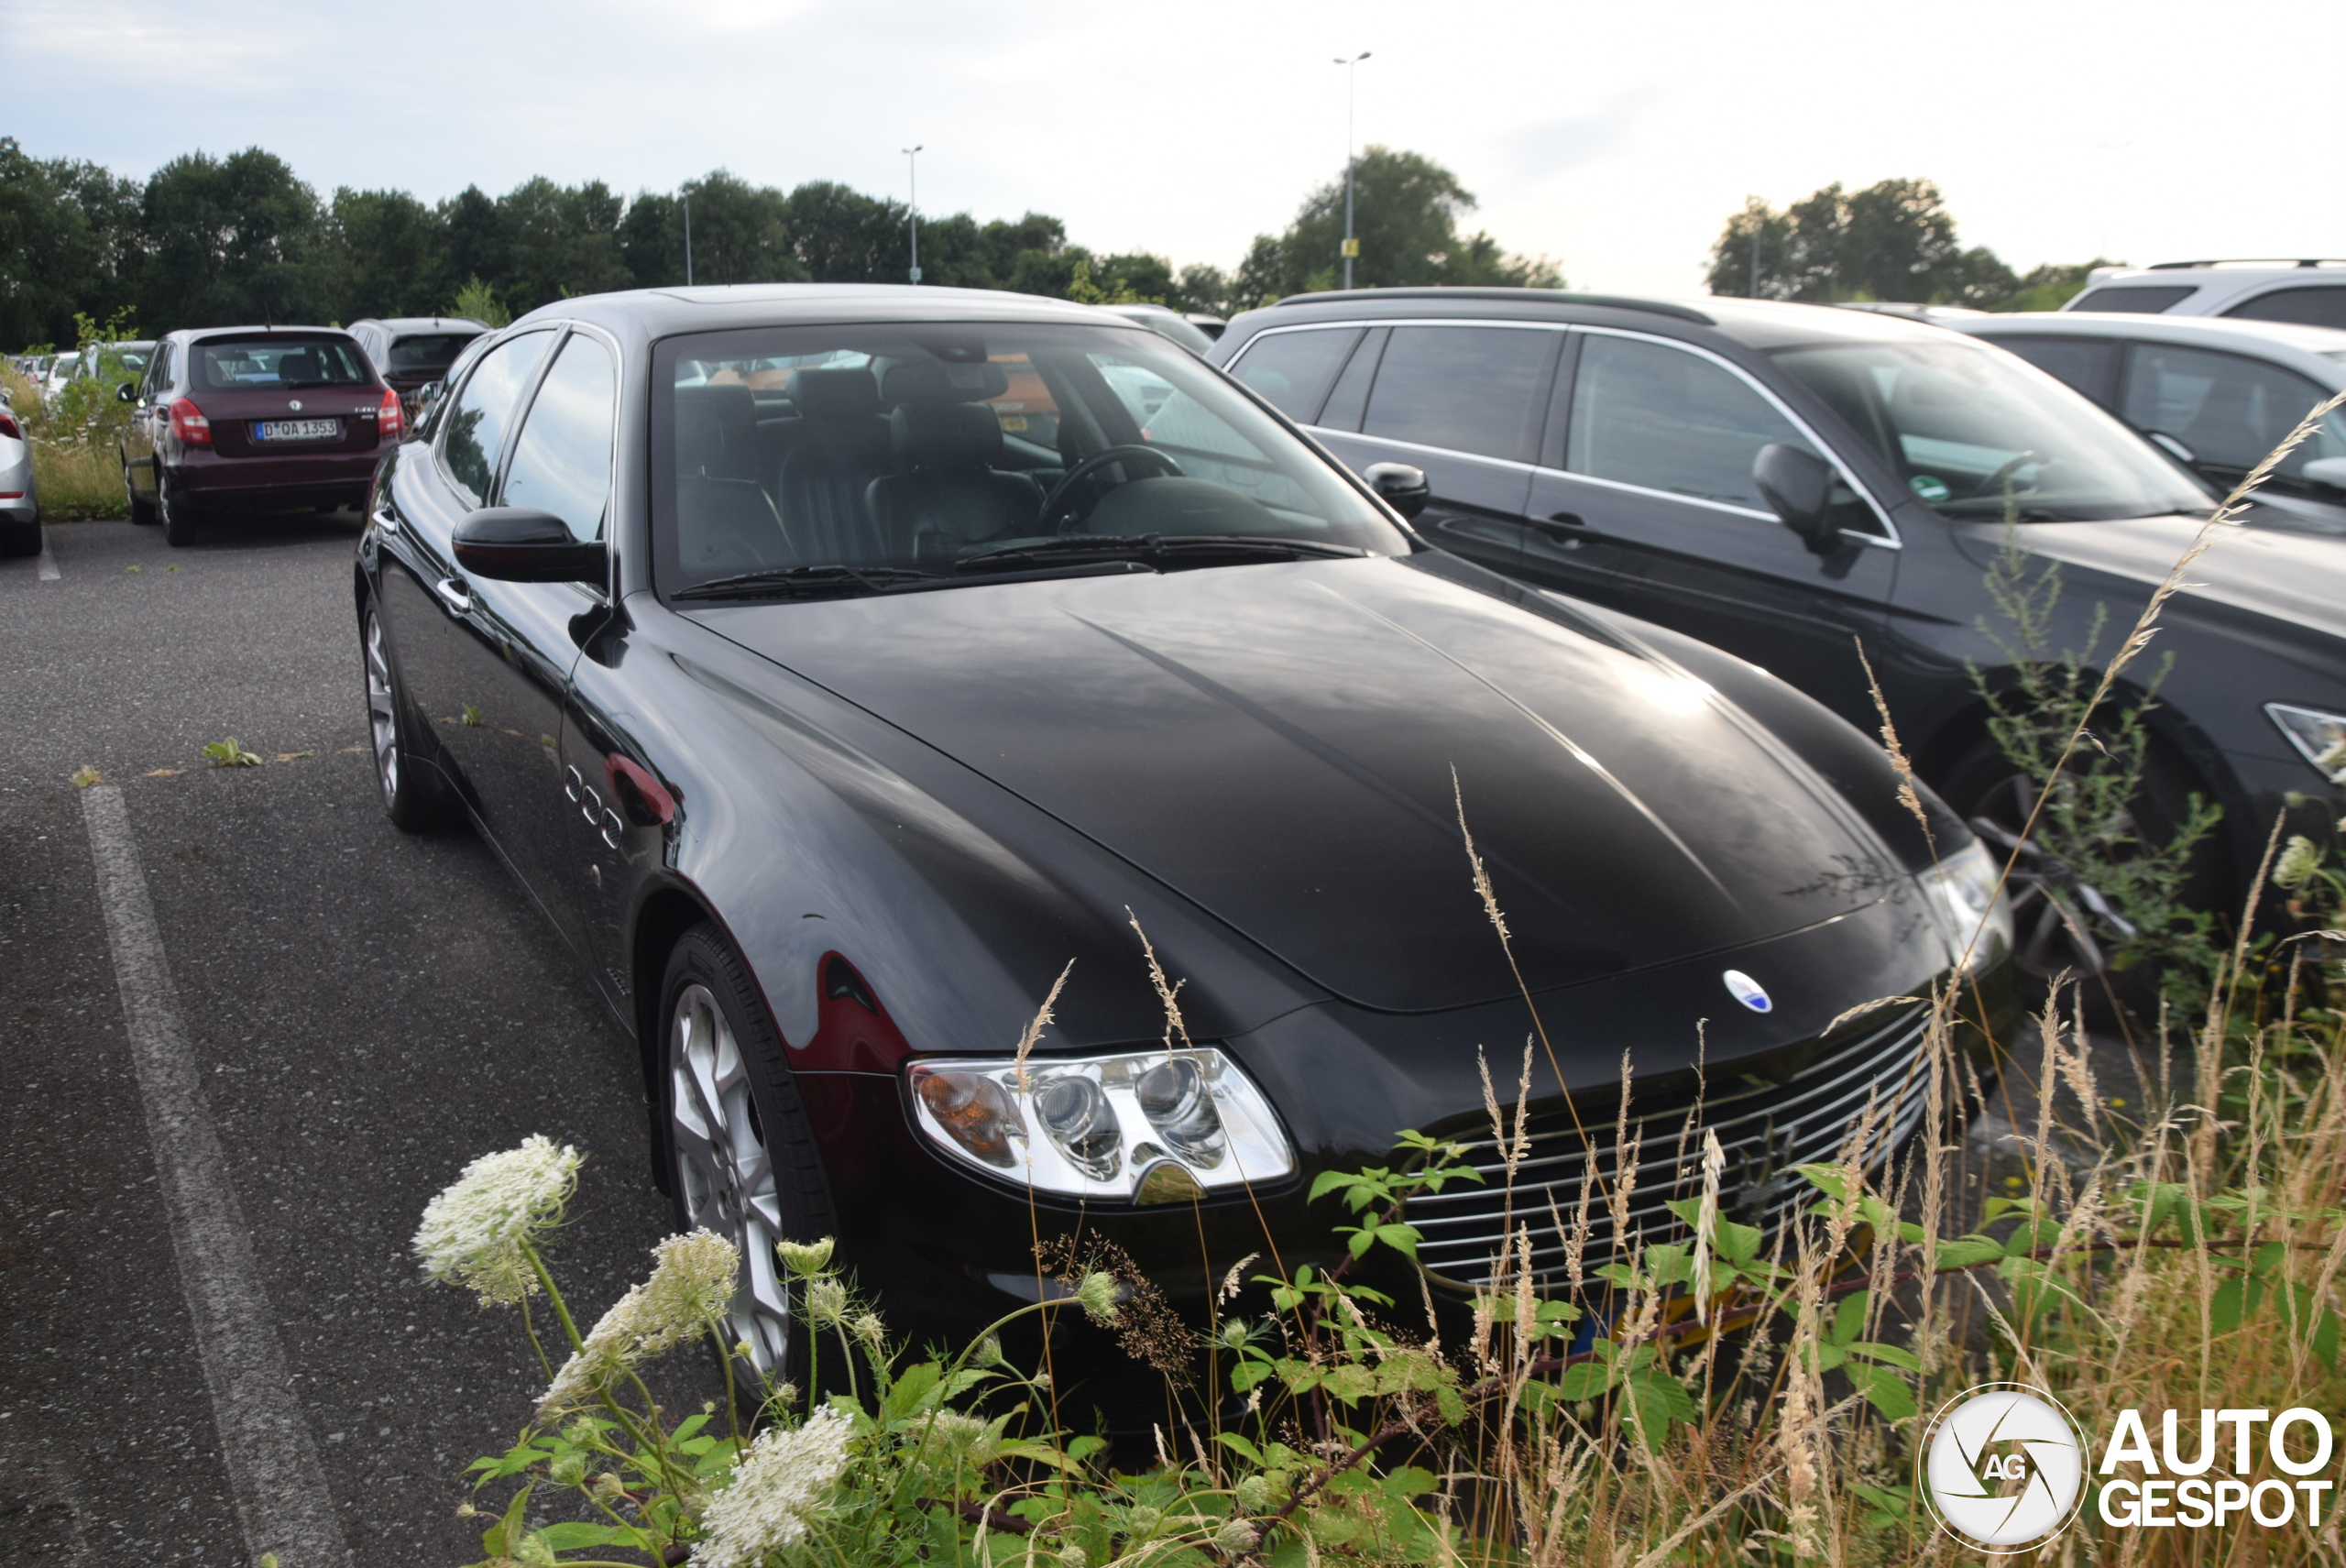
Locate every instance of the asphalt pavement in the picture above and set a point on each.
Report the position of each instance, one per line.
(364, 1013)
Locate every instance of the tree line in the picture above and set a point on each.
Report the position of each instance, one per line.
(1892, 240)
(209, 241)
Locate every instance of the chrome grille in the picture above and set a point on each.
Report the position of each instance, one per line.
(1766, 1131)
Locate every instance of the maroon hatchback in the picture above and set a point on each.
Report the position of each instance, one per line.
(254, 419)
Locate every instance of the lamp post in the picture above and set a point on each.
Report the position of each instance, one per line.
(688, 242)
(1352, 246)
(912, 164)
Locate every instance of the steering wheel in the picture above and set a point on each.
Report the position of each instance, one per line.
(1090, 466)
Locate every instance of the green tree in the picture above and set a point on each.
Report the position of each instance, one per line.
(1893, 240)
(1407, 210)
(845, 236)
(232, 240)
(565, 241)
(390, 254)
(2049, 287)
(740, 231)
(69, 242)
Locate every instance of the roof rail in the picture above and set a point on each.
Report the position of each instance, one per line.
(2249, 261)
(1523, 296)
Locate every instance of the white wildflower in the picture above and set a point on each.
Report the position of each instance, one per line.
(1141, 1523)
(870, 1330)
(805, 1259)
(1071, 1556)
(826, 1301)
(691, 1285)
(1255, 1494)
(472, 1233)
(2300, 860)
(956, 1440)
(535, 1551)
(1235, 1537)
(776, 1491)
(1097, 1297)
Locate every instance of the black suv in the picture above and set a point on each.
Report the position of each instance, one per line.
(1789, 482)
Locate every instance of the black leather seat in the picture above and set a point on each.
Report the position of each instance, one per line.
(948, 495)
(841, 447)
(729, 525)
(717, 434)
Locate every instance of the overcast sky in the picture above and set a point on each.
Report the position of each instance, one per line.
(1614, 139)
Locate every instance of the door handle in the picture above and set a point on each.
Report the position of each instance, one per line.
(385, 521)
(453, 594)
(1562, 525)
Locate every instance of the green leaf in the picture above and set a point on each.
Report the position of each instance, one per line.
(1736, 1244)
(1849, 1318)
(1884, 1390)
(1243, 1448)
(1408, 1481)
(1969, 1251)
(570, 1535)
(1083, 1448)
(1889, 1354)
(1584, 1380)
(1829, 1180)
(2229, 1305)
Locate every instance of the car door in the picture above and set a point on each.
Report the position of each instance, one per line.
(2227, 410)
(1467, 403)
(153, 409)
(1645, 501)
(485, 662)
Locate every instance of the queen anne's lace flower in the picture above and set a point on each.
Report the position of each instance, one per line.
(691, 1285)
(777, 1491)
(956, 1440)
(472, 1233)
(1097, 1297)
(805, 1259)
(2300, 860)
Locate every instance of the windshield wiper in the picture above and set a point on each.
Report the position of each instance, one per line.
(793, 582)
(1150, 547)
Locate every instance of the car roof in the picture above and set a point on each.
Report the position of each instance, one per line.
(1761, 324)
(665, 313)
(205, 333)
(2215, 283)
(2316, 351)
(397, 325)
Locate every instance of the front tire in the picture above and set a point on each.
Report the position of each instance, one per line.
(741, 1155)
(181, 528)
(142, 510)
(415, 798)
(20, 539)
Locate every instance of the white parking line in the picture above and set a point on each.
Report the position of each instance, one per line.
(48, 562)
(272, 1460)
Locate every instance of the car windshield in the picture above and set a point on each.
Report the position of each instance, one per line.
(1963, 422)
(860, 459)
(429, 351)
(275, 362)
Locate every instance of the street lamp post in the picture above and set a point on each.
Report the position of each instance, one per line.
(912, 164)
(688, 242)
(1352, 246)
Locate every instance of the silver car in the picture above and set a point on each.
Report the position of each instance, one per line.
(2216, 393)
(19, 499)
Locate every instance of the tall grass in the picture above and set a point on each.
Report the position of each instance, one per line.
(77, 467)
(2162, 1235)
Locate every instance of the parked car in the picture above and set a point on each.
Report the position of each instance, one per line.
(1166, 322)
(2218, 394)
(2311, 292)
(1794, 483)
(124, 361)
(410, 353)
(19, 492)
(833, 722)
(254, 419)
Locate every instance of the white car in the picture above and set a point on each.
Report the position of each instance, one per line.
(19, 501)
(2217, 394)
(2311, 292)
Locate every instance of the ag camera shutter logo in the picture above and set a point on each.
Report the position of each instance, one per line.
(2003, 1467)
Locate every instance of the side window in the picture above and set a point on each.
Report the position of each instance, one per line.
(1463, 388)
(1292, 369)
(158, 371)
(2228, 410)
(1648, 415)
(2087, 364)
(562, 460)
(473, 436)
(2320, 306)
(2149, 298)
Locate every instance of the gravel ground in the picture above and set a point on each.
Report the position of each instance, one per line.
(369, 1011)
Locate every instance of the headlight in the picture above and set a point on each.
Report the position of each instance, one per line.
(1146, 1127)
(1972, 911)
(2320, 738)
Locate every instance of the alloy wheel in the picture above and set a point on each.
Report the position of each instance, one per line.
(382, 718)
(725, 1174)
(2054, 907)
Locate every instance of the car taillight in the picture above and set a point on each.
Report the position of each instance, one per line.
(188, 425)
(388, 422)
(10, 427)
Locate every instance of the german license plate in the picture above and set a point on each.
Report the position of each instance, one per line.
(297, 430)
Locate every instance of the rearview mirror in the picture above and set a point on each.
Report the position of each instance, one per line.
(1401, 486)
(2175, 449)
(522, 545)
(1798, 487)
(127, 392)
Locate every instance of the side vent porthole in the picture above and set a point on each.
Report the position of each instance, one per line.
(839, 979)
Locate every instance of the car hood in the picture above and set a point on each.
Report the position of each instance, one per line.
(2295, 576)
(1286, 746)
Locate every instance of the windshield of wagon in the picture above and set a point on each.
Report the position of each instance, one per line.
(428, 351)
(1964, 422)
(891, 450)
(279, 364)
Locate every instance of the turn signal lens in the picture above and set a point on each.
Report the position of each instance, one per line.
(2320, 738)
(975, 1113)
(1152, 1126)
(188, 425)
(10, 427)
(390, 421)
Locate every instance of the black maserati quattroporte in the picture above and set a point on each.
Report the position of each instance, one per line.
(840, 666)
